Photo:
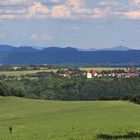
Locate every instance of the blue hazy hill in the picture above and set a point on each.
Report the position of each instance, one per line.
(69, 55)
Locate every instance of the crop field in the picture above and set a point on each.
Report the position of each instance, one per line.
(60, 120)
(19, 73)
(100, 68)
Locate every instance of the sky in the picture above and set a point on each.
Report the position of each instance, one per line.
(74, 23)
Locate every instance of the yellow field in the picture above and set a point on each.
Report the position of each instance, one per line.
(18, 73)
(99, 68)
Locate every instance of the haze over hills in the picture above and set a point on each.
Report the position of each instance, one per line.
(54, 55)
(5, 48)
(116, 48)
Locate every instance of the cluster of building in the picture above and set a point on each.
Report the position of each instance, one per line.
(120, 73)
(70, 73)
(125, 74)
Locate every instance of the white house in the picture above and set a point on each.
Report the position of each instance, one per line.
(89, 75)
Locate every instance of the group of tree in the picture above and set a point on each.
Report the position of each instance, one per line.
(73, 89)
(7, 89)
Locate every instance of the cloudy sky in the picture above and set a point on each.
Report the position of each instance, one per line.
(76, 23)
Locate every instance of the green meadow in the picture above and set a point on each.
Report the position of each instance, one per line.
(60, 120)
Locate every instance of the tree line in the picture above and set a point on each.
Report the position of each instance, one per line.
(72, 89)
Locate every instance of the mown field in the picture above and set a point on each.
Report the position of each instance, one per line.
(61, 120)
(100, 68)
(19, 73)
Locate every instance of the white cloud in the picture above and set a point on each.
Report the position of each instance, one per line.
(76, 9)
(133, 11)
(33, 10)
(37, 8)
(69, 9)
(75, 3)
(45, 37)
(108, 3)
(15, 2)
(54, 1)
(60, 11)
(132, 15)
(136, 2)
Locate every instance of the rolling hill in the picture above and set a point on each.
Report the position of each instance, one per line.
(59, 120)
(5, 48)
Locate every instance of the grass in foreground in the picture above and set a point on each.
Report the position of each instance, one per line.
(58, 120)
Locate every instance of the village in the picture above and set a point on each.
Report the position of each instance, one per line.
(120, 73)
(45, 71)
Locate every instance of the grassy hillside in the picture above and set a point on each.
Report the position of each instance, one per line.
(57, 120)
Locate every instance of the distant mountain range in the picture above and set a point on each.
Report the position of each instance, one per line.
(6, 48)
(116, 48)
(119, 55)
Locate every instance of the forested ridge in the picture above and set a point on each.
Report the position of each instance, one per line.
(63, 56)
(72, 89)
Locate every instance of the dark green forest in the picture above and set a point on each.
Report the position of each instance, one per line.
(73, 89)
